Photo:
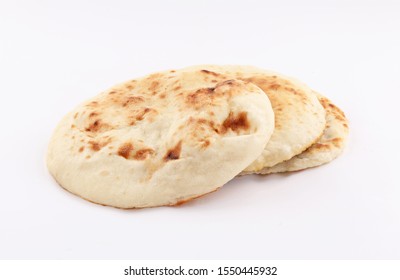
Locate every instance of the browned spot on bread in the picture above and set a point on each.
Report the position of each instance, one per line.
(235, 122)
(292, 90)
(76, 115)
(274, 86)
(143, 153)
(192, 99)
(336, 142)
(125, 150)
(88, 156)
(345, 125)
(204, 121)
(321, 146)
(200, 96)
(93, 114)
(93, 104)
(98, 145)
(324, 102)
(177, 88)
(172, 71)
(112, 92)
(339, 116)
(132, 100)
(174, 153)
(227, 82)
(199, 124)
(95, 146)
(81, 149)
(205, 143)
(210, 73)
(154, 85)
(162, 96)
(214, 81)
(73, 126)
(205, 90)
(97, 126)
(93, 127)
(140, 115)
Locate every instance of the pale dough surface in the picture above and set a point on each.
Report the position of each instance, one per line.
(160, 140)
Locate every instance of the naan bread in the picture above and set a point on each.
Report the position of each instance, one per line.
(299, 117)
(326, 149)
(160, 140)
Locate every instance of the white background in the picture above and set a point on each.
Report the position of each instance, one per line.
(54, 54)
(115, 269)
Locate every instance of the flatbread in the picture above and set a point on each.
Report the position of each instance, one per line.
(326, 149)
(160, 140)
(299, 116)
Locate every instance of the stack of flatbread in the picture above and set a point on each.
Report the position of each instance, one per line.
(176, 135)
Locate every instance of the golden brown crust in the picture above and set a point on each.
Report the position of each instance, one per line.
(236, 122)
(174, 153)
(143, 154)
(125, 150)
